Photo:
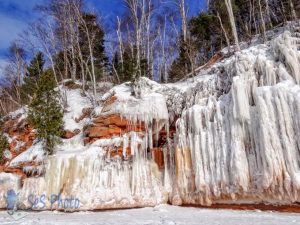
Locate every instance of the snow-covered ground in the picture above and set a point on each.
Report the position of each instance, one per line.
(160, 215)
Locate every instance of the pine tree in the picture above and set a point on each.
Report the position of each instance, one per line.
(181, 65)
(34, 71)
(125, 69)
(3, 145)
(97, 34)
(45, 112)
(3, 142)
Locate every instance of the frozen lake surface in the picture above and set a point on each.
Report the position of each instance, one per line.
(160, 215)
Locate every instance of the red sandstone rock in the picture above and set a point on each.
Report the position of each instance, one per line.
(14, 171)
(107, 104)
(158, 157)
(103, 131)
(106, 126)
(87, 140)
(86, 112)
(22, 136)
(69, 134)
(113, 119)
(110, 101)
(114, 130)
(217, 57)
(95, 131)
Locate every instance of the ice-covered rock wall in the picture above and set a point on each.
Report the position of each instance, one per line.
(229, 135)
(244, 146)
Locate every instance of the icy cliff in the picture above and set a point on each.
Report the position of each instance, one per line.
(228, 135)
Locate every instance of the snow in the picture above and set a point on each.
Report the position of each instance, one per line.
(34, 153)
(22, 111)
(150, 106)
(71, 145)
(160, 215)
(76, 103)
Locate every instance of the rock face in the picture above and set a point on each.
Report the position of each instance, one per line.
(113, 125)
(109, 125)
(232, 145)
(115, 168)
(69, 134)
(243, 146)
(21, 137)
(21, 133)
(228, 136)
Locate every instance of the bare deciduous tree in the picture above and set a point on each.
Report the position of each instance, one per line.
(232, 22)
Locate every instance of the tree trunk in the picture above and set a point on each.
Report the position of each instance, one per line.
(263, 25)
(224, 31)
(232, 22)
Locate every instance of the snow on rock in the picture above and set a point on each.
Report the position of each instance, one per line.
(76, 103)
(150, 106)
(34, 153)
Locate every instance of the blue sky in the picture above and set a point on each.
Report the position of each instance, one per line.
(16, 14)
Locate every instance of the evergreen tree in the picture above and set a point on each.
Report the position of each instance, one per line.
(45, 112)
(3, 145)
(180, 65)
(127, 68)
(187, 59)
(97, 34)
(3, 142)
(34, 71)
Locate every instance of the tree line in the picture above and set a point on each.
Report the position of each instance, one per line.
(153, 38)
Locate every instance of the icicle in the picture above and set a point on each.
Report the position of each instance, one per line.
(245, 143)
(125, 144)
(287, 47)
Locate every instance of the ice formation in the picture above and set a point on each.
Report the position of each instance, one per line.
(8, 181)
(231, 136)
(244, 146)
